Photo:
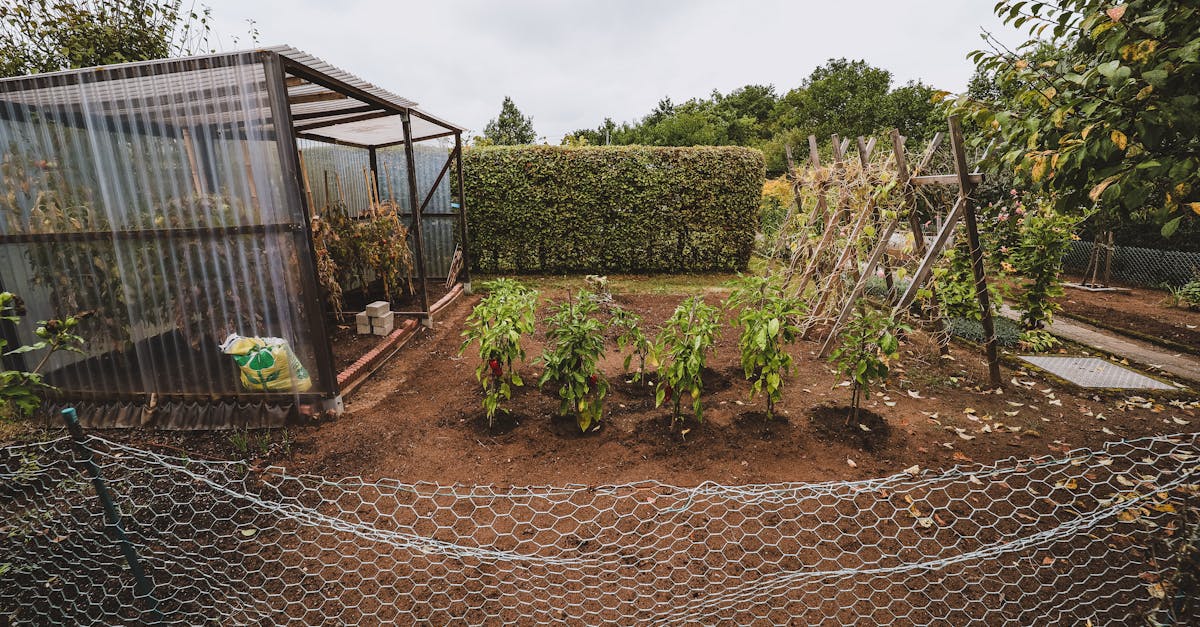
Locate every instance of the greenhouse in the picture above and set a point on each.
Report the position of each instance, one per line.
(188, 209)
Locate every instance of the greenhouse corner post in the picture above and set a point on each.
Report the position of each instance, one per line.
(414, 202)
(462, 214)
(289, 161)
(142, 584)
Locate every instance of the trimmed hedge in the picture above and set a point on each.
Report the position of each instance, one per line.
(603, 209)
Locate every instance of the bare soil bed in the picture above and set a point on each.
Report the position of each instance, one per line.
(1138, 311)
(419, 419)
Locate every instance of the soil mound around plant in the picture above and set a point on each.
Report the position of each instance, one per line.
(829, 424)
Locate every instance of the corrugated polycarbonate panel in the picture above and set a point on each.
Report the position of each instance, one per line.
(155, 199)
(332, 169)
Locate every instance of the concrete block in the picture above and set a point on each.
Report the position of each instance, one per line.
(382, 329)
(364, 329)
(362, 318)
(388, 318)
(378, 308)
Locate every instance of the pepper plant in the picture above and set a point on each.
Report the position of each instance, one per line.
(769, 322)
(23, 390)
(868, 343)
(682, 348)
(630, 337)
(496, 324)
(575, 344)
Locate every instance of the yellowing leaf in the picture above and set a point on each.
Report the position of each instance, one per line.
(1099, 189)
(1116, 13)
(1119, 139)
(1195, 207)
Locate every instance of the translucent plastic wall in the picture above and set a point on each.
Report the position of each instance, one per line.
(333, 169)
(158, 198)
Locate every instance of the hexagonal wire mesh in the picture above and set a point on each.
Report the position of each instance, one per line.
(1090, 535)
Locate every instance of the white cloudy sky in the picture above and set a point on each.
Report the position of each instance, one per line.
(570, 63)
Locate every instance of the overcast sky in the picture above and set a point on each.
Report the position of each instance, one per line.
(568, 64)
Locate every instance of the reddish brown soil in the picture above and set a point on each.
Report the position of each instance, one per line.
(1138, 310)
(419, 419)
(348, 345)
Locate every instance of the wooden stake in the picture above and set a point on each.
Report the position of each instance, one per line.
(190, 151)
(965, 189)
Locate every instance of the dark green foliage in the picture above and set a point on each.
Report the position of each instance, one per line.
(1008, 332)
(612, 209)
(50, 35)
(510, 128)
(848, 97)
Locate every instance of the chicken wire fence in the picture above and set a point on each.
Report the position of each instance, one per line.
(1086, 535)
(1149, 267)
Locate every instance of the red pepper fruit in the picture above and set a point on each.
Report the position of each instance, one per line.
(592, 379)
(494, 364)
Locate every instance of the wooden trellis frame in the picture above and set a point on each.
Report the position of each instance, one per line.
(962, 209)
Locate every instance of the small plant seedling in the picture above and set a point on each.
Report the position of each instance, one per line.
(868, 343)
(630, 337)
(680, 352)
(240, 440)
(768, 319)
(575, 345)
(496, 324)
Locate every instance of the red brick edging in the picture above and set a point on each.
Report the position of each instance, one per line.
(365, 366)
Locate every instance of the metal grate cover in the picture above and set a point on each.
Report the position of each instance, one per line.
(1093, 372)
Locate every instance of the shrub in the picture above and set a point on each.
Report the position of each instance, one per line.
(612, 208)
(682, 349)
(868, 343)
(768, 320)
(496, 324)
(575, 344)
(1046, 235)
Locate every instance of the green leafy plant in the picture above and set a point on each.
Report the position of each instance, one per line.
(1187, 296)
(681, 349)
(496, 324)
(616, 208)
(769, 321)
(1039, 341)
(1046, 236)
(575, 344)
(630, 337)
(23, 390)
(240, 440)
(869, 342)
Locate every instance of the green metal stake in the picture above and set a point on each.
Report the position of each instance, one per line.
(142, 584)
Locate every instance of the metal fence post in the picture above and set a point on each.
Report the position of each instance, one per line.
(142, 583)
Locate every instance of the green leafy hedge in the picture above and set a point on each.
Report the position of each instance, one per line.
(612, 208)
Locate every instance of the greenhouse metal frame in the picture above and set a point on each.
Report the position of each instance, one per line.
(167, 199)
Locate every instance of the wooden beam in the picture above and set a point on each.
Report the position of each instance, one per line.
(293, 81)
(300, 128)
(930, 257)
(321, 96)
(946, 179)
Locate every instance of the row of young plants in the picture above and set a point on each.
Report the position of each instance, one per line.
(577, 334)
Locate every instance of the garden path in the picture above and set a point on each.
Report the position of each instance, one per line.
(1181, 365)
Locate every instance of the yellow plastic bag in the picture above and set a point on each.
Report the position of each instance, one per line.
(267, 364)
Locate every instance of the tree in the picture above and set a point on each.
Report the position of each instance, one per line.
(1101, 107)
(51, 35)
(511, 127)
